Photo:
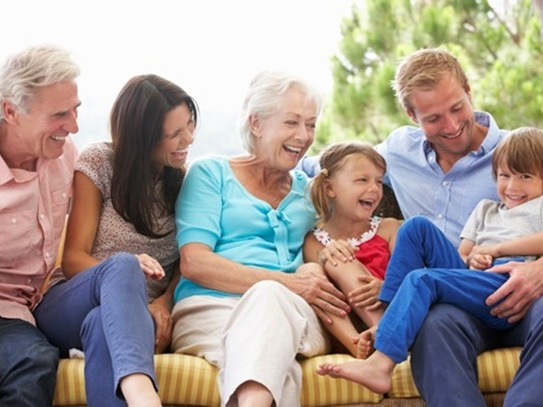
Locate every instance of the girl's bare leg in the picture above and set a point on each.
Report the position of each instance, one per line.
(345, 277)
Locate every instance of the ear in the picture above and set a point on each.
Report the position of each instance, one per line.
(412, 115)
(328, 187)
(9, 111)
(468, 91)
(255, 125)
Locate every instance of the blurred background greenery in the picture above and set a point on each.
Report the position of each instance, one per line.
(499, 43)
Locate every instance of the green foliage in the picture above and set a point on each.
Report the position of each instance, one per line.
(500, 48)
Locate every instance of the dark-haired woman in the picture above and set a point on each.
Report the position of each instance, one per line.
(120, 260)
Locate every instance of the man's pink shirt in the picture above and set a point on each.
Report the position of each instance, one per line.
(33, 209)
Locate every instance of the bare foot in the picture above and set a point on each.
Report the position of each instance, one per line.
(364, 345)
(374, 373)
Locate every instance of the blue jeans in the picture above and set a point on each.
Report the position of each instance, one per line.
(103, 311)
(415, 283)
(28, 365)
(444, 353)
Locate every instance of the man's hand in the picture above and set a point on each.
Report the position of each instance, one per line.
(524, 286)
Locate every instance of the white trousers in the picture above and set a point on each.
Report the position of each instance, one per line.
(256, 337)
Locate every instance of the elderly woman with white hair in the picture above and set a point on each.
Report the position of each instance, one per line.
(246, 302)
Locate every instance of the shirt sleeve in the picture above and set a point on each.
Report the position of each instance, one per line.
(382, 148)
(95, 162)
(474, 222)
(198, 208)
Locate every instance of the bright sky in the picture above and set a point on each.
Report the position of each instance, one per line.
(211, 48)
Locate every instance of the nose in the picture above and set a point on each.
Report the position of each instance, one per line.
(512, 183)
(305, 134)
(449, 124)
(71, 125)
(375, 185)
(188, 136)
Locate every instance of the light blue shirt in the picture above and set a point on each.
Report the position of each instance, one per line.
(420, 185)
(422, 188)
(214, 209)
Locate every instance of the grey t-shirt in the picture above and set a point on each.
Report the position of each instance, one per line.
(492, 222)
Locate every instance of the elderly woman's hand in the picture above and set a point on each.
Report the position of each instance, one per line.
(311, 284)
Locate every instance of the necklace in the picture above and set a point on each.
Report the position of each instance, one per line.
(324, 237)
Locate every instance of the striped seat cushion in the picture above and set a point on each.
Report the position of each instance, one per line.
(189, 380)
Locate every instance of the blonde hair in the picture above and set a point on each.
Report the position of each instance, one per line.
(332, 159)
(424, 69)
(521, 151)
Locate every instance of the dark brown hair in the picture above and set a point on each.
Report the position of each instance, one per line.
(136, 124)
(521, 151)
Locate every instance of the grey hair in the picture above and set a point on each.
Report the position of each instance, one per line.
(264, 98)
(33, 68)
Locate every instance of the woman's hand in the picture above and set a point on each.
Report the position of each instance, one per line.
(150, 266)
(160, 311)
(337, 250)
(365, 296)
(311, 284)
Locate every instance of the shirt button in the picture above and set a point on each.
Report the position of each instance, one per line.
(29, 281)
(64, 194)
(445, 183)
(42, 216)
(14, 220)
(440, 216)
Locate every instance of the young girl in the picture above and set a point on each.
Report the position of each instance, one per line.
(494, 231)
(345, 194)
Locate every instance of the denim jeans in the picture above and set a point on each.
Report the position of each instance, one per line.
(103, 311)
(444, 354)
(420, 244)
(28, 365)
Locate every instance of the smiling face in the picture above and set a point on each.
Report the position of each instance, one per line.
(446, 117)
(356, 188)
(41, 131)
(178, 135)
(515, 189)
(283, 138)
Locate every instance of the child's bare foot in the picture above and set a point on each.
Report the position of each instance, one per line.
(374, 373)
(364, 344)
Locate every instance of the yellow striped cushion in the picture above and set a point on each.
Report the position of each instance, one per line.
(324, 391)
(184, 379)
(497, 368)
(402, 382)
(70, 389)
(189, 380)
